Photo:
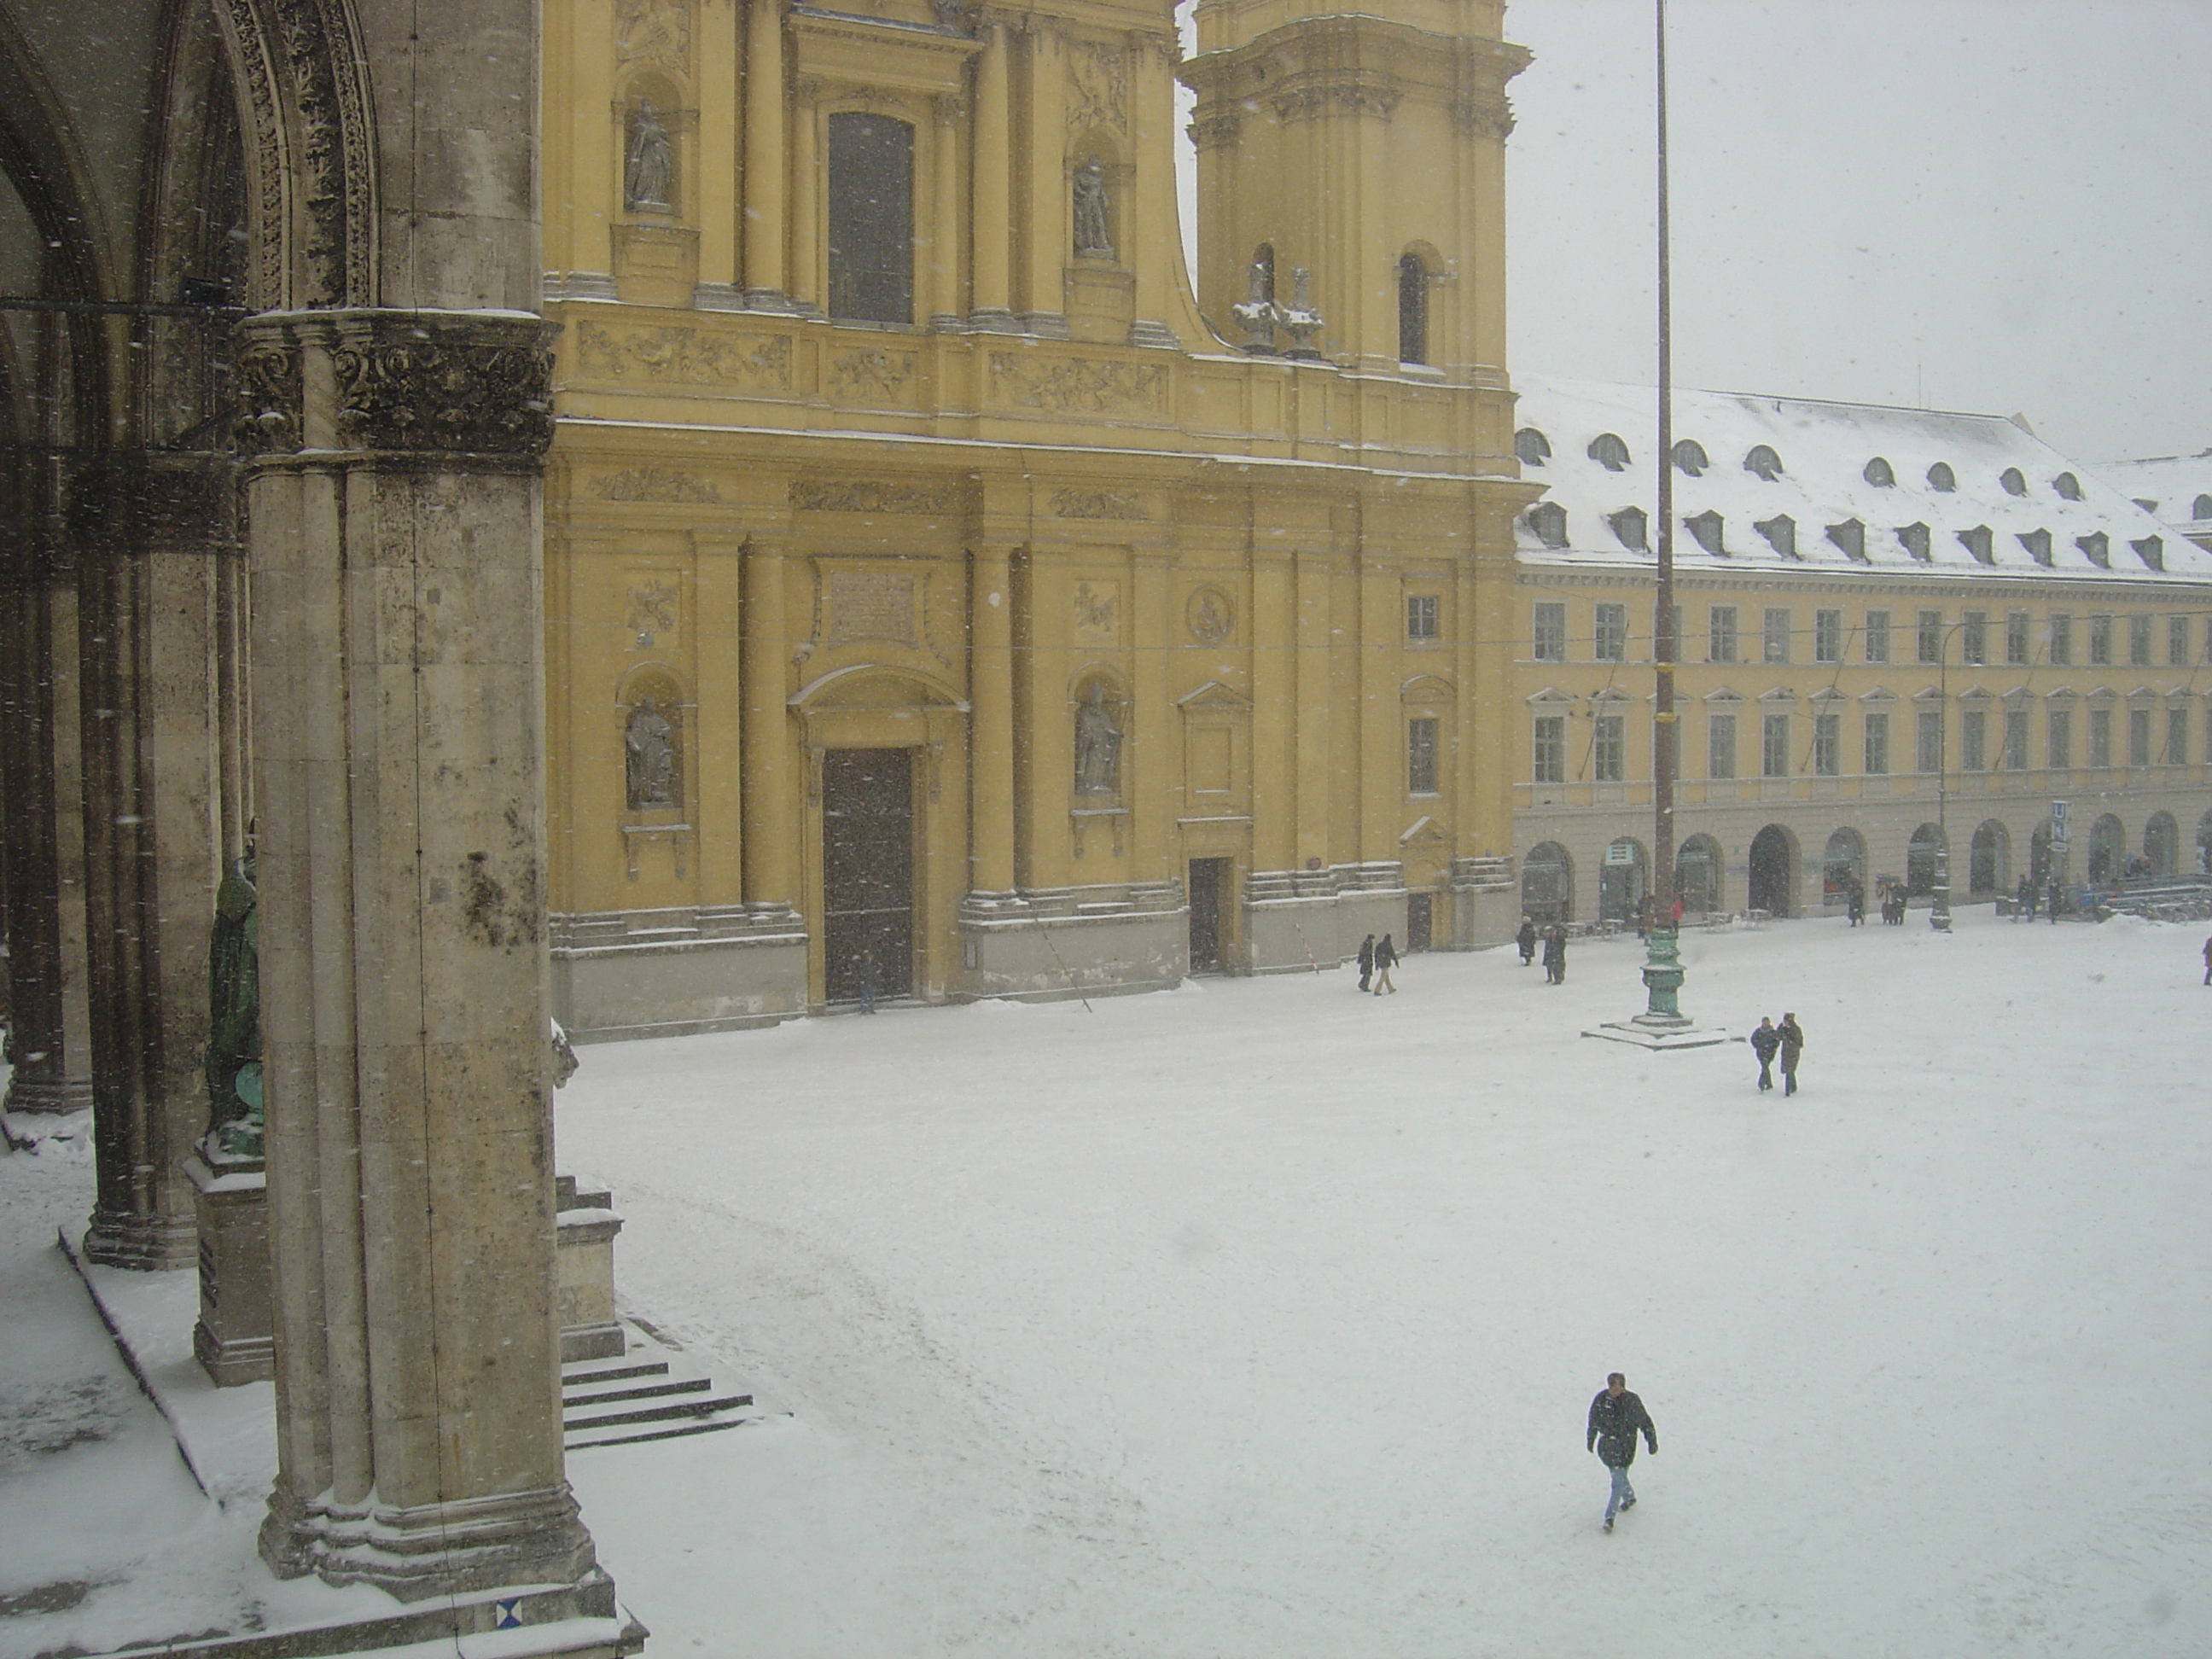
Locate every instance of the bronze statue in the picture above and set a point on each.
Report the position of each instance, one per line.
(232, 1060)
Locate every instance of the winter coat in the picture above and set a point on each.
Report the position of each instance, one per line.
(1792, 1036)
(1615, 1420)
(1367, 955)
(1764, 1041)
(1386, 954)
(1555, 948)
(1525, 938)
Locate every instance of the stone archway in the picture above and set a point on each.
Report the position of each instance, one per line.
(1624, 877)
(2108, 850)
(2162, 845)
(1920, 860)
(1547, 884)
(1843, 867)
(1772, 884)
(1990, 859)
(1698, 876)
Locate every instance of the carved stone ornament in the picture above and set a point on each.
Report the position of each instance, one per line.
(268, 397)
(1097, 612)
(1093, 238)
(653, 610)
(1078, 386)
(867, 495)
(652, 483)
(649, 757)
(870, 373)
(1209, 616)
(653, 30)
(436, 383)
(1097, 745)
(1097, 504)
(686, 356)
(648, 163)
(1099, 85)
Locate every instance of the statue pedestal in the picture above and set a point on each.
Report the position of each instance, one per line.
(235, 1339)
(584, 1271)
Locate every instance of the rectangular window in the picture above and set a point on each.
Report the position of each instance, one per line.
(1420, 616)
(1551, 633)
(2015, 743)
(1607, 749)
(1877, 636)
(2061, 747)
(1974, 740)
(1721, 645)
(1928, 746)
(1613, 633)
(2177, 735)
(2016, 637)
(871, 218)
(1828, 745)
(1974, 638)
(2176, 641)
(1421, 757)
(2100, 641)
(2139, 641)
(2100, 737)
(2062, 638)
(1720, 745)
(1775, 632)
(1930, 632)
(1774, 746)
(1551, 749)
(1827, 636)
(2139, 736)
(1877, 744)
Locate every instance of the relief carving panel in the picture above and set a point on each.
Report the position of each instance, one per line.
(686, 356)
(1079, 385)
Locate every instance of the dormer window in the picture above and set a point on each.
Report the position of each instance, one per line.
(1629, 525)
(1609, 453)
(1851, 535)
(2202, 509)
(2151, 550)
(1690, 458)
(1549, 520)
(1764, 462)
(1942, 479)
(1979, 541)
(2148, 507)
(1880, 474)
(1706, 528)
(2096, 547)
(1915, 538)
(1780, 530)
(2015, 481)
(2068, 486)
(1531, 447)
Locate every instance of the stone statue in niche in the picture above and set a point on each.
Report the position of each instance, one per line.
(1092, 239)
(649, 749)
(648, 163)
(1097, 746)
(233, 1058)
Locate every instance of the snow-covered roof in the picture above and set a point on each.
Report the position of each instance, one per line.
(1783, 473)
(2177, 488)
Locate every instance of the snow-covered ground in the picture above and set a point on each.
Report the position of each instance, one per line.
(1260, 1318)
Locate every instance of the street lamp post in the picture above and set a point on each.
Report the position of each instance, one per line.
(1939, 912)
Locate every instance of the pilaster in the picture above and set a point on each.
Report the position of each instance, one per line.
(771, 810)
(766, 281)
(991, 693)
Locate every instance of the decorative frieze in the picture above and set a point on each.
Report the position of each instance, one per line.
(652, 483)
(449, 384)
(686, 356)
(854, 376)
(1098, 504)
(1079, 385)
(872, 496)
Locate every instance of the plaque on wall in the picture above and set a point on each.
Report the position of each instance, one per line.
(870, 605)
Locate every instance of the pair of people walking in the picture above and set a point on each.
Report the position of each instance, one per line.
(1784, 1043)
(1376, 962)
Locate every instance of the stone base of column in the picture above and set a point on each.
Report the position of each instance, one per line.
(439, 1550)
(49, 1094)
(1145, 333)
(235, 1339)
(144, 1243)
(1661, 1035)
(993, 319)
(1045, 324)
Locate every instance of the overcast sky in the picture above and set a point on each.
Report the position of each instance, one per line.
(1995, 206)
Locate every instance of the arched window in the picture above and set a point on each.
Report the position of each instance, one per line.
(1942, 479)
(871, 218)
(2068, 486)
(2015, 481)
(1608, 450)
(2202, 509)
(1531, 447)
(1764, 462)
(1880, 474)
(1412, 310)
(1549, 520)
(1690, 458)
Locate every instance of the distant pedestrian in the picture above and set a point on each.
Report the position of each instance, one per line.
(1525, 938)
(1764, 1041)
(1555, 954)
(1366, 960)
(1678, 912)
(1855, 905)
(1385, 958)
(2023, 904)
(2207, 962)
(1647, 913)
(1792, 1045)
(1616, 1418)
(2052, 902)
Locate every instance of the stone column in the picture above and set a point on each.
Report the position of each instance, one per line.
(1315, 764)
(721, 284)
(1271, 629)
(766, 287)
(992, 196)
(771, 872)
(1047, 167)
(1149, 758)
(804, 273)
(1381, 732)
(945, 307)
(991, 693)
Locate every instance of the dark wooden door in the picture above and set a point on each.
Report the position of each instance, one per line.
(1420, 911)
(867, 872)
(1209, 887)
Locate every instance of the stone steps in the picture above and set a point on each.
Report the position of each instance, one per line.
(657, 1390)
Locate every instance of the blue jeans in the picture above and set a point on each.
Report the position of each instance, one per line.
(1623, 1493)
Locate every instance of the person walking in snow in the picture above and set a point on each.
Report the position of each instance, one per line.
(1855, 905)
(2207, 962)
(1764, 1043)
(1616, 1418)
(2023, 904)
(1525, 938)
(1555, 954)
(1366, 960)
(2053, 903)
(1792, 1045)
(1385, 958)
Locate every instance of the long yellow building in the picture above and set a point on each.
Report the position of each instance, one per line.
(942, 599)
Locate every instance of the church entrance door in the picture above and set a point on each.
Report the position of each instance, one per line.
(867, 873)
(1209, 886)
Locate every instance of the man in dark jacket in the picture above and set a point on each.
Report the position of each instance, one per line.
(1525, 938)
(1555, 953)
(1385, 958)
(1764, 1041)
(1366, 960)
(1616, 1418)
(1792, 1045)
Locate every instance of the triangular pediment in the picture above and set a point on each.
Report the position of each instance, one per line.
(1552, 694)
(1213, 695)
(1422, 831)
(1779, 694)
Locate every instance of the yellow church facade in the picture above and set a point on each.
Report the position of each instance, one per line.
(942, 599)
